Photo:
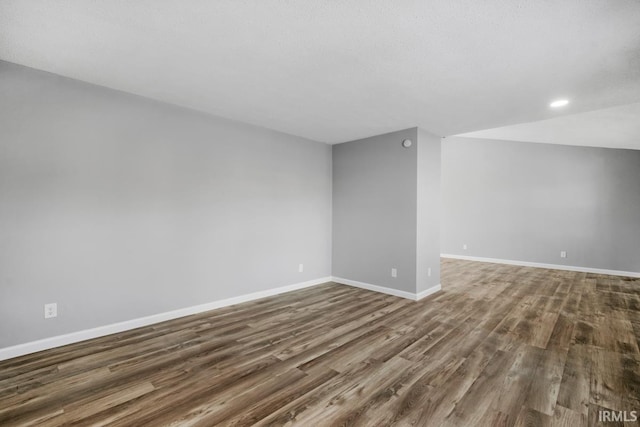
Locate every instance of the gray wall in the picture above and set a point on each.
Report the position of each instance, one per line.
(118, 207)
(374, 210)
(527, 202)
(428, 211)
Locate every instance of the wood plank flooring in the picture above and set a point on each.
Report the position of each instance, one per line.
(500, 345)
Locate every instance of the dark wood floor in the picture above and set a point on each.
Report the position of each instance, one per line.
(500, 345)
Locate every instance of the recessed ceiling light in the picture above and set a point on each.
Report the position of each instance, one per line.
(559, 103)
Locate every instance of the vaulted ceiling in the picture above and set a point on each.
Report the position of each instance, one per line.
(335, 71)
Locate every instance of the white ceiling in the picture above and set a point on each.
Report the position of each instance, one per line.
(335, 71)
(617, 127)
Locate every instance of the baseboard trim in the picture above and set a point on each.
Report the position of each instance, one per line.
(385, 290)
(542, 265)
(427, 292)
(375, 288)
(74, 337)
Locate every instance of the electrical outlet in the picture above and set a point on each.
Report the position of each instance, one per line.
(464, 246)
(563, 254)
(50, 310)
(394, 272)
(429, 272)
(300, 268)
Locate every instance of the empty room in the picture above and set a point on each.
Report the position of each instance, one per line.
(315, 213)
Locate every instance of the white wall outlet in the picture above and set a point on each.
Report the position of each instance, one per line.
(300, 268)
(394, 272)
(464, 246)
(50, 310)
(563, 254)
(429, 272)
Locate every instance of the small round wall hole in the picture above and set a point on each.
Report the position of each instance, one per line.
(407, 143)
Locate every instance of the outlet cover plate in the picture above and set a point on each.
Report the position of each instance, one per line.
(50, 310)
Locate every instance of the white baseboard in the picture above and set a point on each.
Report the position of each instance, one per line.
(431, 290)
(541, 265)
(385, 290)
(60, 340)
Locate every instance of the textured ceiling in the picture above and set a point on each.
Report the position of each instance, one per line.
(335, 71)
(617, 127)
